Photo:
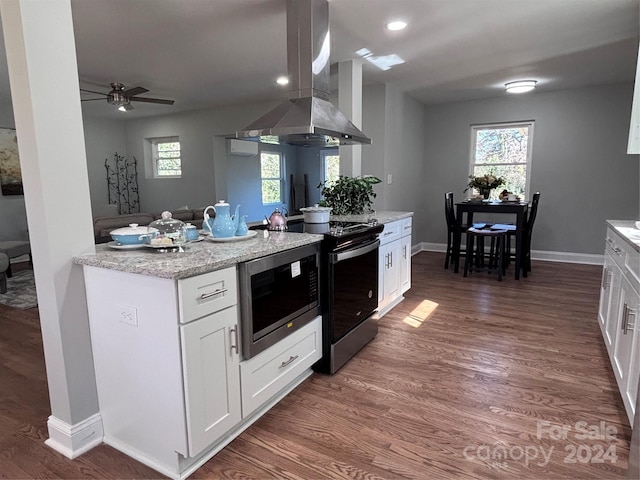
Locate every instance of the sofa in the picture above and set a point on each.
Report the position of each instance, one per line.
(102, 226)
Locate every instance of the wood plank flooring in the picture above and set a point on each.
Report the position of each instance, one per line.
(467, 378)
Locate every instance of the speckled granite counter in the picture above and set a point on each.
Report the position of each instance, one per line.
(197, 258)
(206, 256)
(628, 231)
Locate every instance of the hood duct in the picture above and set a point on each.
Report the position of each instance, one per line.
(308, 118)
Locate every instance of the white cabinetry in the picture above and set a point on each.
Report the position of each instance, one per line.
(617, 315)
(211, 377)
(172, 388)
(394, 264)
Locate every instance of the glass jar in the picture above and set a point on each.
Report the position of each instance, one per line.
(168, 231)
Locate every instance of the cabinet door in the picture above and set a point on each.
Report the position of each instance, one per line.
(405, 270)
(212, 377)
(609, 298)
(392, 263)
(627, 354)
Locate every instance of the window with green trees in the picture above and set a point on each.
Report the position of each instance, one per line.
(503, 150)
(330, 166)
(167, 161)
(271, 175)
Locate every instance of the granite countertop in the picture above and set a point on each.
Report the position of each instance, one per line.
(197, 257)
(206, 256)
(627, 230)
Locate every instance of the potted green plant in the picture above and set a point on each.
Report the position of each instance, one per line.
(349, 195)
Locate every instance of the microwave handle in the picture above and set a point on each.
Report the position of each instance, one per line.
(356, 252)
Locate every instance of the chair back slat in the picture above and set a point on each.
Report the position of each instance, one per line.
(449, 213)
(532, 213)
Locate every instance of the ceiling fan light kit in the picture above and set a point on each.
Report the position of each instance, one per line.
(521, 86)
(122, 98)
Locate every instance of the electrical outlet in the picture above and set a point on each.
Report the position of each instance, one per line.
(389, 179)
(127, 314)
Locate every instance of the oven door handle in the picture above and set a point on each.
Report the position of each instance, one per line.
(355, 252)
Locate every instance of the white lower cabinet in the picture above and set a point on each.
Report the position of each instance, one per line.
(266, 374)
(618, 315)
(172, 387)
(211, 377)
(394, 264)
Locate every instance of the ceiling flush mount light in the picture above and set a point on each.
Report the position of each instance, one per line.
(396, 25)
(282, 81)
(520, 86)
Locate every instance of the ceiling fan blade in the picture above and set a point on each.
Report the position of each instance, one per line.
(91, 91)
(134, 91)
(151, 100)
(91, 99)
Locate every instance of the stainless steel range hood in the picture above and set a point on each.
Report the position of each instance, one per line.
(308, 118)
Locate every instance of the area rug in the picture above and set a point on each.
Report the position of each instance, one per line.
(21, 291)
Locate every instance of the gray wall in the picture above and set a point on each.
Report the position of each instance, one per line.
(579, 165)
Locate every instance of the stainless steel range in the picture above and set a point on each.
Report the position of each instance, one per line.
(348, 287)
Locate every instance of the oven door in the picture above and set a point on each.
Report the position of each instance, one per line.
(353, 292)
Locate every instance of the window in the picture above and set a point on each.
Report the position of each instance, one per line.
(505, 151)
(330, 166)
(166, 157)
(271, 175)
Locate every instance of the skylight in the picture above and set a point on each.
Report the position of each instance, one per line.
(384, 62)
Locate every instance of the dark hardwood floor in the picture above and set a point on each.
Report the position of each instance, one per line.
(467, 378)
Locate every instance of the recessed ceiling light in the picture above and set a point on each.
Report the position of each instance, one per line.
(521, 86)
(282, 81)
(396, 25)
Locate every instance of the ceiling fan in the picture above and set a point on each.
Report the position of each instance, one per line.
(123, 98)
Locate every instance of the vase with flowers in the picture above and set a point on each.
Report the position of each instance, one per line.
(485, 183)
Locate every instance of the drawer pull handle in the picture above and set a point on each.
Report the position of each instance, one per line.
(288, 362)
(234, 339)
(630, 312)
(211, 294)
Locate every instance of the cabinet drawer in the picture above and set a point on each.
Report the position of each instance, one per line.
(406, 226)
(391, 232)
(614, 245)
(266, 374)
(206, 294)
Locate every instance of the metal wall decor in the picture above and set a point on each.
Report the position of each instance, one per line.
(122, 183)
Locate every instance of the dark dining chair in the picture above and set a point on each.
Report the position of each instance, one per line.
(525, 259)
(450, 215)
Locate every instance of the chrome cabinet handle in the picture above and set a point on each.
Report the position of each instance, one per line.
(628, 328)
(404, 252)
(234, 339)
(617, 249)
(625, 314)
(390, 259)
(211, 294)
(288, 362)
(605, 278)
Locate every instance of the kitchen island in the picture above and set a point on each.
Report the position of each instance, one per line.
(172, 384)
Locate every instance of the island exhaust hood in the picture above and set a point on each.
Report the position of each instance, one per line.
(308, 118)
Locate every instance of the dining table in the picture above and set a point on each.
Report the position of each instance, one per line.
(469, 207)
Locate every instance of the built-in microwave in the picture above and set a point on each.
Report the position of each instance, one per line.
(279, 293)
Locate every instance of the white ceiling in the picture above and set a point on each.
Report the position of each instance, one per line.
(207, 53)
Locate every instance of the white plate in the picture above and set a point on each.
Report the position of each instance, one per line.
(250, 234)
(121, 246)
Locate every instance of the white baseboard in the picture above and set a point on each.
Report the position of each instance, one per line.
(74, 440)
(548, 256)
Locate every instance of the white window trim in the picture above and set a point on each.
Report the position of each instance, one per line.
(486, 126)
(328, 152)
(154, 156)
(281, 179)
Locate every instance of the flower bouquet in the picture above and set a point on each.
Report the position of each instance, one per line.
(485, 183)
